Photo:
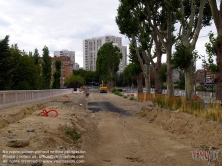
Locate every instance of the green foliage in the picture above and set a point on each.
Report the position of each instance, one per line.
(195, 105)
(130, 72)
(132, 98)
(125, 97)
(200, 88)
(119, 79)
(24, 74)
(117, 93)
(162, 73)
(58, 64)
(183, 57)
(181, 84)
(5, 64)
(57, 75)
(211, 52)
(107, 63)
(46, 68)
(73, 134)
(87, 75)
(74, 81)
(207, 16)
(114, 90)
(36, 57)
(126, 20)
(120, 94)
(169, 103)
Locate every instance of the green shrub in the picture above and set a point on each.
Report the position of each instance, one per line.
(200, 88)
(114, 90)
(120, 94)
(73, 134)
(132, 98)
(124, 96)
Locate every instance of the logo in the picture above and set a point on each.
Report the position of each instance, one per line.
(208, 155)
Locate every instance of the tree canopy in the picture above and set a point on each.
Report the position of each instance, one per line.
(74, 81)
(57, 75)
(145, 21)
(5, 64)
(107, 63)
(20, 70)
(46, 68)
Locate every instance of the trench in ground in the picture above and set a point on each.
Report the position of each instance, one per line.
(106, 106)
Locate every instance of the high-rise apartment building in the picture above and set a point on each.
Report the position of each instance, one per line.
(92, 46)
(76, 66)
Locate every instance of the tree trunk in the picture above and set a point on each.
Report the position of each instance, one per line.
(217, 15)
(168, 48)
(140, 82)
(188, 83)
(170, 91)
(145, 67)
(218, 74)
(158, 83)
(147, 78)
(110, 85)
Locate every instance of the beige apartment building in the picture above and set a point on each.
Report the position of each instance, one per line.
(92, 46)
(66, 68)
(66, 53)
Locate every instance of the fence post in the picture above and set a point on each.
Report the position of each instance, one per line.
(4, 99)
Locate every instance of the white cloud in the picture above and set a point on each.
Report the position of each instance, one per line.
(62, 24)
(58, 24)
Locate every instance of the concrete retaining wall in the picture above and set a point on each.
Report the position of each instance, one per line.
(11, 98)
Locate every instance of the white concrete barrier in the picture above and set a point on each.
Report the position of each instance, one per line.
(15, 97)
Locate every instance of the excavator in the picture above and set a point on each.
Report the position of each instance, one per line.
(103, 88)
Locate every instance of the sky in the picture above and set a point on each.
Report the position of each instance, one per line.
(64, 24)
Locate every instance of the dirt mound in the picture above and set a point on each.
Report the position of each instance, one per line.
(72, 130)
(203, 131)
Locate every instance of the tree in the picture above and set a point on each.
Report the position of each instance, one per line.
(5, 66)
(36, 57)
(46, 68)
(150, 28)
(57, 75)
(130, 20)
(130, 74)
(162, 73)
(90, 77)
(38, 63)
(193, 16)
(216, 43)
(74, 81)
(30, 54)
(107, 63)
(24, 74)
(119, 79)
(147, 20)
(162, 17)
(181, 84)
(135, 70)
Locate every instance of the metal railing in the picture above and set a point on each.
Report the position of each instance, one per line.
(16, 97)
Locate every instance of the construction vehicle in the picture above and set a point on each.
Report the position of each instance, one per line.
(103, 88)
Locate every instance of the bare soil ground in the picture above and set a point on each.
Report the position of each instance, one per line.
(114, 132)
